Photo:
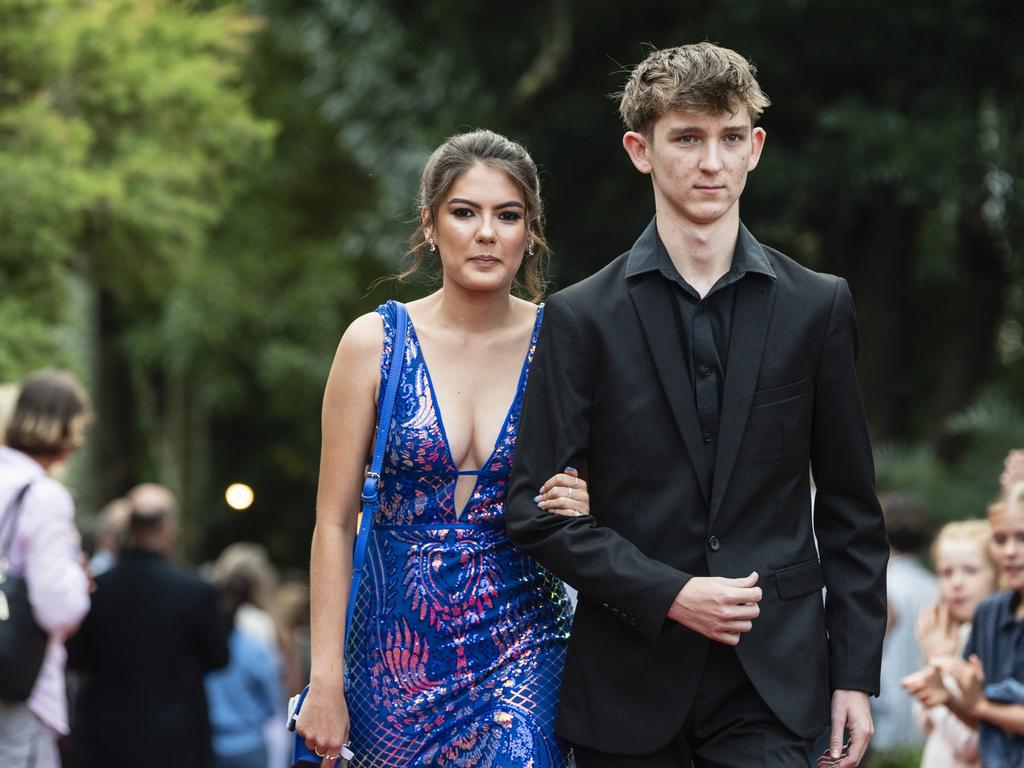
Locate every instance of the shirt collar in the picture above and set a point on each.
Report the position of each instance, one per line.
(25, 463)
(1008, 610)
(648, 254)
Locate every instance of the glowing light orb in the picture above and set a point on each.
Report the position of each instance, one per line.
(239, 496)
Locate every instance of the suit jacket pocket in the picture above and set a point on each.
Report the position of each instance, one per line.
(774, 395)
(799, 580)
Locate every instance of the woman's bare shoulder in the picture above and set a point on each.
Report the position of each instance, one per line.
(364, 335)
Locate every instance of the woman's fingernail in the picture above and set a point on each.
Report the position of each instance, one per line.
(536, 498)
(570, 469)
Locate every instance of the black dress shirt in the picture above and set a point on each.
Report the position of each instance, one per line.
(705, 325)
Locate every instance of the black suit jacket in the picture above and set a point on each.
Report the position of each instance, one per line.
(152, 634)
(609, 392)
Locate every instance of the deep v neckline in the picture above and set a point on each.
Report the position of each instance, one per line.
(414, 336)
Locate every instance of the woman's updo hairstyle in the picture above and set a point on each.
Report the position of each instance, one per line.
(446, 165)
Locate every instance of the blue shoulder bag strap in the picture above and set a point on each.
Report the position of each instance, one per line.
(371, 503)
(371, 487)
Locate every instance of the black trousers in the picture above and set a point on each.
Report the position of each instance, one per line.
(729, 726)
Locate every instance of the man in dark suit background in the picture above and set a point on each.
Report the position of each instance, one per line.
(153, 633)
(693, 380)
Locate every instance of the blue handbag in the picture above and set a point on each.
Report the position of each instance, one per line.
(301, 754)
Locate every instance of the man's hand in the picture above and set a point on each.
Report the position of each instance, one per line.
(718, 608)
(850, 711)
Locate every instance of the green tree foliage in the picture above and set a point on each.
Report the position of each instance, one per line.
(126, 131)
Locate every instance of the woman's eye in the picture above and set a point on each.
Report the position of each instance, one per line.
(509, 216)
(462, 213)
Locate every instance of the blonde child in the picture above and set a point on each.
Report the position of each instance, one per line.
(990, 683)
(967, 575)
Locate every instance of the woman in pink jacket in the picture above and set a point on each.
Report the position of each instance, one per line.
(47, 425)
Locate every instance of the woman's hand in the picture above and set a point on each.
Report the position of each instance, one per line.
(565, 494)
(323, 723)
(936, 632)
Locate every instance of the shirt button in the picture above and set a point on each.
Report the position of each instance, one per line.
(708, 437)
(714, 544)
(705, 370)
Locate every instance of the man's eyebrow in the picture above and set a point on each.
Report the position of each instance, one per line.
(697, 129)
(464, 201)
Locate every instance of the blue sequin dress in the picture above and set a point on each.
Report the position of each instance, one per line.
(458, 638)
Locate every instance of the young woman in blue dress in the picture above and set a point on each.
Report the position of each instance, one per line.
(458, 638)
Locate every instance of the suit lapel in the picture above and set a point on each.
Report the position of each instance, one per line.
(755, 298)
(653, 301)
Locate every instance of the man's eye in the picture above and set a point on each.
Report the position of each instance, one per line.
(732, 138)
(687, 139)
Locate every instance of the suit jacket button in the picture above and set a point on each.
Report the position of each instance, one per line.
(633, 621)
(714, 544)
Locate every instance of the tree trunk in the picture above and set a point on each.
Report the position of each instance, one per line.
(970, 343)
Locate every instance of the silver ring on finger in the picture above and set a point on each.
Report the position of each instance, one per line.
(318, 753)
(569, 495)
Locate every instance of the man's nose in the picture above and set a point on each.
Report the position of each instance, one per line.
(710, 158)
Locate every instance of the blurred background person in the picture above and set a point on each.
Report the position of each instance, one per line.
(153, 633)
(47, 426)
(247, 566)
(910, 588)
(966, 575)
(1013, 469)
(291, 612)
(246, 694)
(110, 528)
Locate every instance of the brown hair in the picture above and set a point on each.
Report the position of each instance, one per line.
(701, 77)
(456, 155)
(50, 415)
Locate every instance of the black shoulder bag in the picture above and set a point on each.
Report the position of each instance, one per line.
(22, 641)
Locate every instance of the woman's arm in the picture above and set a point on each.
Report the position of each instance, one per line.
(348, 419)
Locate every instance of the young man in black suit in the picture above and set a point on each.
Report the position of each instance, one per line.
(694, 380)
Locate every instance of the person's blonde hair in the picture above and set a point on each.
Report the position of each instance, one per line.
(701, 77)
(456, 155)
(979, 531)
(50, 414)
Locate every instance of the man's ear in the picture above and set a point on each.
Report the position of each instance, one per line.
(637, 146)
(757, 137)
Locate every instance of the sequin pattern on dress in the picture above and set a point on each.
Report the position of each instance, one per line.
(458, 639)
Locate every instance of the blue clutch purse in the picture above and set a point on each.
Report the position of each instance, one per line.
(301, 754)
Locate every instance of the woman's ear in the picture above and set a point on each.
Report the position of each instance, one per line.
(428, 228)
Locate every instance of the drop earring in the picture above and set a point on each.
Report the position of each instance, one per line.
(433, 246)
(530, 249)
